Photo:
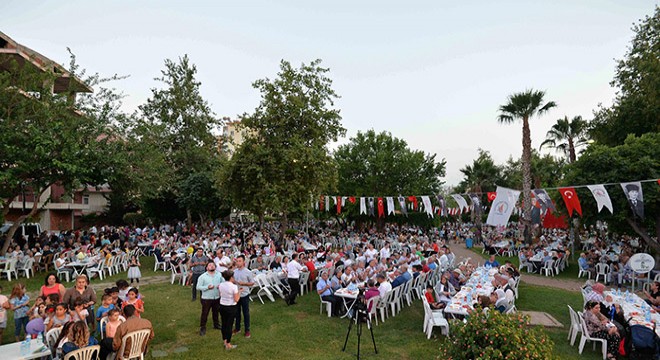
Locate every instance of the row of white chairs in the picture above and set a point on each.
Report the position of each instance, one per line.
(137, 340)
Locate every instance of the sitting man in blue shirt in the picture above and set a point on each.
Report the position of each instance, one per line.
(492, 262)
(403, 276)
(324, 289)
(585, 265)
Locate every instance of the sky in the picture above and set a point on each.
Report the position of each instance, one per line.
(433, 73)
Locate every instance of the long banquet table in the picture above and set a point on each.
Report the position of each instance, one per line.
(480, 283)
(633, 307)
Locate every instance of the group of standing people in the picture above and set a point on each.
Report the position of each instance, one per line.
(225, 295)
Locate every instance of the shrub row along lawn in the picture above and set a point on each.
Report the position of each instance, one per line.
(299, 331)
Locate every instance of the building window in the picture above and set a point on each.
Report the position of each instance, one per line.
(85, 199)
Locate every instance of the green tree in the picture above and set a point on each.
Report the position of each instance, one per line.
(523, 106)
(636, 107)
(287, 136)
(179, 121)
(638, 158)
(482, 175)
(199, 194)
(51, 134)
(566, 136)
(374, 164)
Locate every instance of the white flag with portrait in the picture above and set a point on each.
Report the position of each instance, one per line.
(602, 197)
(503, 205)
(633, 191)
(428, 208)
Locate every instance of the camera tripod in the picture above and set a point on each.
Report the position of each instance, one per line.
(360, 317)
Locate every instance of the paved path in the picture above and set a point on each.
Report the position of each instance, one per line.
(566, 284)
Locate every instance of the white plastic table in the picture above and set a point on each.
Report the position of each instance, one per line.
(13, 351)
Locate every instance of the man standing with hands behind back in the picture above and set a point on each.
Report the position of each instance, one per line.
(293, 271)
(198, 265)
(208, 284)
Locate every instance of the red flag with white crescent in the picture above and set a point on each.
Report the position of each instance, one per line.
(492, 195)
(413, 199)
(571, 199)
(381, 207)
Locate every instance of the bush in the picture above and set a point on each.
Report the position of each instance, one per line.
(497, 336)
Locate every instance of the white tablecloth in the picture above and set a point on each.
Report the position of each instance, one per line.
(633, 308)
(480, 283)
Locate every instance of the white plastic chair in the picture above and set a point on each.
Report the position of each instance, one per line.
(575, 325)
(10, 267)
(99, 269)
(175, 274)
(137, 339)
(373, 312)
(434, 319)
(262, 283)
(304, 279)
(393, 300)
(602, 270)
(583, 272)
(104, 320)
(86, 353)
(27, 268)
(586, 337)
(158, 264)
(328, 306)
(51, 339)
(548, 268)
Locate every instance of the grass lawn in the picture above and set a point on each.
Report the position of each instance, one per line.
(299, 331)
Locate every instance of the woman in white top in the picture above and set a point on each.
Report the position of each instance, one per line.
(229, 296)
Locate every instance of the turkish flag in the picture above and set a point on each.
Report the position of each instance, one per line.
(413, 199)
(381, 207)
(571, 199)
(338, 205)
(351, 199)
(492, 195)
(658, 181)
(321, 203)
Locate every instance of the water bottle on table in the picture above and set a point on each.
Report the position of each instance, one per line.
(25, 346)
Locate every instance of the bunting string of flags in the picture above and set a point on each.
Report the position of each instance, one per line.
(503, 202)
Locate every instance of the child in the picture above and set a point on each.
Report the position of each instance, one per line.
(102, 311)
(431, 299)
(123, 287)
(110, 330)
(79, 312)
(132, 299)
(18, 302)
(36, 324)
(4, 303)
(57, 319)
(134, 270)
(114, 295)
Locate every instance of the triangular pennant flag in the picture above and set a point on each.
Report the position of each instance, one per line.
(571, 199)
(343, 200)
(633, 191)
(381, 207)
(502, 207)
(658, 181)
(321, 203)
(390, 205)
(492, 195)
(351, 199)
(462, 204)
(402, 204)
(338, 201)
(363, 207)
(602, 197)
(327, 203)
(543, 199)
(413, 200)
(428, 208)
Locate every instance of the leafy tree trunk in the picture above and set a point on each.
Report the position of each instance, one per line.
(19, 221)
(641, 231)
(527, 179)
(189, 218)
(285, 224)
(571, 151)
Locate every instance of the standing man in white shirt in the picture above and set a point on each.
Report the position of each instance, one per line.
(293, 275)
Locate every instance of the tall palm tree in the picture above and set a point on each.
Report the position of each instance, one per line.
(566, 136)
(523, 106)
